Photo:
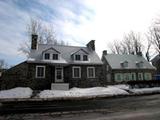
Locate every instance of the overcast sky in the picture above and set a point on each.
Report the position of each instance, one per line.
(75, 21)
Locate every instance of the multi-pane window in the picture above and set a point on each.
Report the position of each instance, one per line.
(77, 57)
(46, 56)
(40, 71)
(133, 76)
(139, 64)
(140, 76)
(91, 72)
(147, 76)
(76, 71)
(55, 57)
(85, 58)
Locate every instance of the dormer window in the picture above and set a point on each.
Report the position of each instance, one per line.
(46, 56)
(55, 56)
(124, 64)
(77, 57)
(139, 64)
(85, 58)
(51, 54)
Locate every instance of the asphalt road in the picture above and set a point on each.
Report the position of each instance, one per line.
(128, 108)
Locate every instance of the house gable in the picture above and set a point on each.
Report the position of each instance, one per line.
(80, 55)
(50, 54)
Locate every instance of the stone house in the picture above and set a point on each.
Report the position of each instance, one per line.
(57, 67)
(156, 62)
(121, 68)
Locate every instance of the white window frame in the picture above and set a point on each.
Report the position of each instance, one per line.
(88, 72)
(73, 71)
(43, 71)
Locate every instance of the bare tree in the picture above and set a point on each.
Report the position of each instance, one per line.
(154, 37)
(46, 35)
(3, 64)
(115, 47)
(130, 44)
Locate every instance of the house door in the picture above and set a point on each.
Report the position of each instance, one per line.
(59, 74)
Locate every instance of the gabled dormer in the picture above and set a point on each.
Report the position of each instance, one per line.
(51, 54)
(124, 64)
(139, 64)
(80, 55)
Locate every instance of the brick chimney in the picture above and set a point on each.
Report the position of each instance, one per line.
(104, 52)
(34, 41)
(91, 45)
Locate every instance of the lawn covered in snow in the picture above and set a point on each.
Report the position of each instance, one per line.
(83, 92)
(146, 90)
(114, 90)
(19, 92)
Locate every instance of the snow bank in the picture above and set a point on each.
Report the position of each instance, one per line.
(19, 92)
(146, 90)
(122, 86)
(83, 92)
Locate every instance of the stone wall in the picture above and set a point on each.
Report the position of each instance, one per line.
(23, 75)
(84, 81)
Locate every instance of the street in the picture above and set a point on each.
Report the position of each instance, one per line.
(128, 108)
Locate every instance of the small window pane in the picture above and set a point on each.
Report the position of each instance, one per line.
(55, 56)
(85, 58)
(77, 57)
(47, 56)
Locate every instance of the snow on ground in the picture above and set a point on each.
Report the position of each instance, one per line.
(26, 92)
(83, 92)
(146, 90)
(19, 92)
(122, 86)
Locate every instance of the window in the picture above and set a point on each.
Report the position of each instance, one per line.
(139, 64)
(126, 76)
(140, 76)
(77, 57)
(40, 71)
(118, 77)
(133, 76)
(124, 64)
(147, 76)
(90, 72)
(55, 57)
(46, 56)
(107, 67)
(76, 72)
(85, 58)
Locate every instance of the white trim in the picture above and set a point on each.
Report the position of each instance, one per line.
(73, 71)
(140, 74)
(93, 72)
(43, 71)
(58, 80)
